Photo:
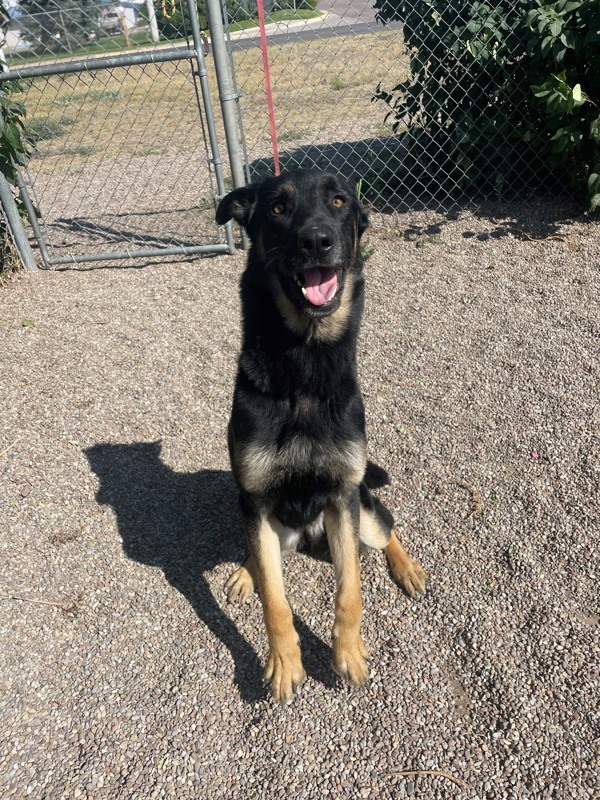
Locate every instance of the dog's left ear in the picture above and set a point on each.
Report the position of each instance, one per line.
(238, 205)
(362, 219)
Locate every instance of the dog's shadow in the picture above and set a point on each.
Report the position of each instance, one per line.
(187, 524)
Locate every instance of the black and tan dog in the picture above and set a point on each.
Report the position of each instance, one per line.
(297, 432)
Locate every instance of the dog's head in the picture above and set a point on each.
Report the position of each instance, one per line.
(305, 228)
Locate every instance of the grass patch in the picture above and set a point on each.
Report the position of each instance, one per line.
(292, 136)
(41, 129)
(322, 92)
(94, 95)
(106, 44)
(285, 15)
(79, 150)
(337, 83)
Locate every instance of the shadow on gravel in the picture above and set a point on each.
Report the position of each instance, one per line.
(186, 524)
(382, 166)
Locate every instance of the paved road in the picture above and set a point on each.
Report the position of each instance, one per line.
(341, 19)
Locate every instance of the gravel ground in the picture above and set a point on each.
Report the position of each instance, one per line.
(124, 672)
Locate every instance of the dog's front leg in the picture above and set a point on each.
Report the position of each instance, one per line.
(284, 670)
(349, 651)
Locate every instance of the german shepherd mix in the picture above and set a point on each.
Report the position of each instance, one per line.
(297, 433)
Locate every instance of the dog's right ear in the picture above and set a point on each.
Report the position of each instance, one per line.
(238, 205)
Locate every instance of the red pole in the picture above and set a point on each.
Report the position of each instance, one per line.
(263, 45)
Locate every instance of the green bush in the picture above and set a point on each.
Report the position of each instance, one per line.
(564, 75)
(500, 92)
(13, 148)
(13, 151)
(173, 19)
(57, 26)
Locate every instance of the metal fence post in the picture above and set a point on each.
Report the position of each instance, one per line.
(210, 121)
(227, 94)
(15, 224)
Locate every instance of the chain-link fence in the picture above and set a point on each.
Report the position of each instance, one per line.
(426, 109)
(324, 66)
(125, 159)
(351, 93)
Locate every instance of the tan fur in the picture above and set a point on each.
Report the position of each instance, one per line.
(288, 189)
(258, 467)
(405, 571)
(349, 650)
(284, 668)
(243, 583)
(372, 534)
(332, 328)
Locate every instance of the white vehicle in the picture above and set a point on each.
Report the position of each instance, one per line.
(111, 21)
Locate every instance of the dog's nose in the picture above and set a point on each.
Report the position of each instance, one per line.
(315, 240)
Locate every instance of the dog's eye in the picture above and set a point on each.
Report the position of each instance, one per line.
(277, 209)
(338, 201)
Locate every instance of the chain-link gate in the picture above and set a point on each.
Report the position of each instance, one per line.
(126, 146)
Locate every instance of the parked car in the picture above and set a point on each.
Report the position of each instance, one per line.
(110, 21)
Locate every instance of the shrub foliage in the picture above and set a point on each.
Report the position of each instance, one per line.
(500, 91)
(13, 151)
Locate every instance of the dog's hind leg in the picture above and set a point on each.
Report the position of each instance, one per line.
(376, 531)
(407, 572)
(243, 583)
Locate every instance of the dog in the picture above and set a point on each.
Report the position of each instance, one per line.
(296, 437)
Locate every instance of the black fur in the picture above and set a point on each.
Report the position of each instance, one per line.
(297, 438)
(295, 382)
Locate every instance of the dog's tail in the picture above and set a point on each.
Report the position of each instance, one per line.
(376, 476)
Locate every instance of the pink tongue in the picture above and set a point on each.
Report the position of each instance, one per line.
(320, 284)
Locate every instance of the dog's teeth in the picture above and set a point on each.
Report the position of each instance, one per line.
(303, 290)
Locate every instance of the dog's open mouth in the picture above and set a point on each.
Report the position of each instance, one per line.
(319, 285)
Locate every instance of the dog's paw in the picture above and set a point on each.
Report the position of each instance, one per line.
(284, 671)
(350, 659)
(240, 586)
(409, 575)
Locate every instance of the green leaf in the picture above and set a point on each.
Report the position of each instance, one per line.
(28, 323)
(593, 183)
(578, 95)
(10, 132)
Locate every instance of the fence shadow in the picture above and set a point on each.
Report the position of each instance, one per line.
(186, 524)
(126, 236)
(371, 163)
(359, 161)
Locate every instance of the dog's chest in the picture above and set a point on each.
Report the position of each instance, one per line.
(263, 467)
(306, 441)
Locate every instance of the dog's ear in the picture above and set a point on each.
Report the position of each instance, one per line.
(362, 219)
(238, 205)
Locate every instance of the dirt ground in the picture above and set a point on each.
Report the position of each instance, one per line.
(123, 671)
